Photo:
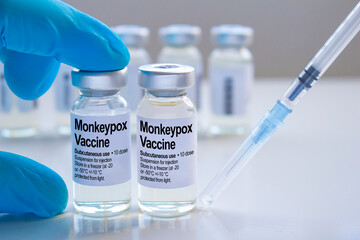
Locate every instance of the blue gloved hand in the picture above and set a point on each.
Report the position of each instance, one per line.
(27, 186)
(36, 35)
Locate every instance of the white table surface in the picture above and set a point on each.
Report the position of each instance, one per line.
(303, 184)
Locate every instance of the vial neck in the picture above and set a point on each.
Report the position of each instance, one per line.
(165, 93)
(98, 93)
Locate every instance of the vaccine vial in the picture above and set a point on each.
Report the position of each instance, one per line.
(101, 142)
(180, 42)
(231, 75)
(166, 141)
(64, 95)
(18, 118)
(135, 38)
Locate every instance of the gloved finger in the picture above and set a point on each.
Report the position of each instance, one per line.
(55, 29)
(29, 76)
(27, 186)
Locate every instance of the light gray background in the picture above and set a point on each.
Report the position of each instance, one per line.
(287, 32)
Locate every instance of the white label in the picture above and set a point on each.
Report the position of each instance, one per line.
(64, 91)
(5, 93)
(166, 152)
(101, 149)
(230, 89)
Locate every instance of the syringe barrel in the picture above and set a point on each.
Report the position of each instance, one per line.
(324, 57)
(337, 42)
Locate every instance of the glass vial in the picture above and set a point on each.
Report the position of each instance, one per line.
(166, 141)
(180, 42)
(135, 38)
(101, 142)
(231, 75)
(65, 95)
(18, 118)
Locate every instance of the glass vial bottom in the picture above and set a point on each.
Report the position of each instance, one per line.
(102, 201)
(228, 125)
(18, 132)
(167, 202)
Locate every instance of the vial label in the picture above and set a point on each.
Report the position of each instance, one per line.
(194, 92)
(101, 149)
(64, 91)
(230, 89)
(166, 151)
(5, 95)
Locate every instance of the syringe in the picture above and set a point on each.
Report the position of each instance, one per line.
(273, 119)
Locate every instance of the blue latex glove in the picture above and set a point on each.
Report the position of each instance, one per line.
(36, 35)
(27, 186)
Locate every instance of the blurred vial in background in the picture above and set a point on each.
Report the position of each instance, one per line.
(17, 117)
(135, 38)
(231, 75)
(180, 47)
(65, 95)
